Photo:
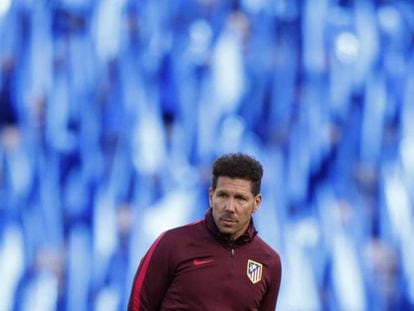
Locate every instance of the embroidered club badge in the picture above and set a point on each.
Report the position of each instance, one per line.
(254, 271)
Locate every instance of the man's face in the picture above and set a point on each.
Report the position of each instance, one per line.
(233, 204)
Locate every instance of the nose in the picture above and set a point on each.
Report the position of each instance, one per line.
(230, 206)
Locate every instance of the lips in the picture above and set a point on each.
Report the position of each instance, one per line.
(228, 221)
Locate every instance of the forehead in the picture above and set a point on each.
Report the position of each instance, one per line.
(225, 183)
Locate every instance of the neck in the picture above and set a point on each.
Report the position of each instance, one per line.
(247, 235)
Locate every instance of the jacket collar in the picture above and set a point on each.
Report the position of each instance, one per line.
(223, 238)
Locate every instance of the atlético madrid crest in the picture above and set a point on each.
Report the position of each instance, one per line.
(254, 271)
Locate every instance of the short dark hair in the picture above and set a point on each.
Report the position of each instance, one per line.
(238, 165)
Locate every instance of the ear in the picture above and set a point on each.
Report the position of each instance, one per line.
(257, 202)
(210, 196)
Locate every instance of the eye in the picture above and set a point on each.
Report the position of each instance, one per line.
(241, 199)
(221, 195)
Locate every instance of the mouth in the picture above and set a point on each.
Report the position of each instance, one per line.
(228, 221)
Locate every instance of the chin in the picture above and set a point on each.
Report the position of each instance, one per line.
(226, 231)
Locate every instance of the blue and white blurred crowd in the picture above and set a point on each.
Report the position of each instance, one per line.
(112, 111)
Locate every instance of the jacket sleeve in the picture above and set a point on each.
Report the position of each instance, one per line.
(152, 278)
(270, 297)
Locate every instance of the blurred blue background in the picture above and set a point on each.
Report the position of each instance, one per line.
(111, 113)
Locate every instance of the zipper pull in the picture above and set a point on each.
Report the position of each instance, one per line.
(232, 251)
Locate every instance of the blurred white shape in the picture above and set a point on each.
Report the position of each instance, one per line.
(339, 16)
(298, 164)
(347, 47)
(407, 155)
(74, 194)
(184, 174)
(79, 268)
(307, 232)
(347, 277)
(299, 280)
(389, 18)
(11, 264)
(108, 299)
(4, 7)
(171, 211)
(327, 203)
(313, 28)
(398, 204)
(253, 6)
(407, 113)
(152, 28)
(231, 136)
(42, 293)
(367, 33)
(200, 37)
(400, 213)
(40, 71)
(58, 115)
(407, 254)
(149, 144)
(105, 228)
(108, 28)
(75, 4)
(267, 224)
(227, 71)
(373, 118)
(20, 172)
(227, 82)
(286, 9)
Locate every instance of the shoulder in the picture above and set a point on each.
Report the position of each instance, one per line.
(173, 241)
(185, 229)
(181, 233)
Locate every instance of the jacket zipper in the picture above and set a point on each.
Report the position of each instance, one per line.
(232, 258)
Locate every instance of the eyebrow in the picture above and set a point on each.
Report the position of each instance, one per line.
(237, 194)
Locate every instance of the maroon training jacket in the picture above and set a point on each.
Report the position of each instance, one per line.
(195, 267)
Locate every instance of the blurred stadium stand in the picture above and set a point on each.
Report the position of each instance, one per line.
(112, 111)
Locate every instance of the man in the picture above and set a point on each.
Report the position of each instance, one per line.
(218, 263)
